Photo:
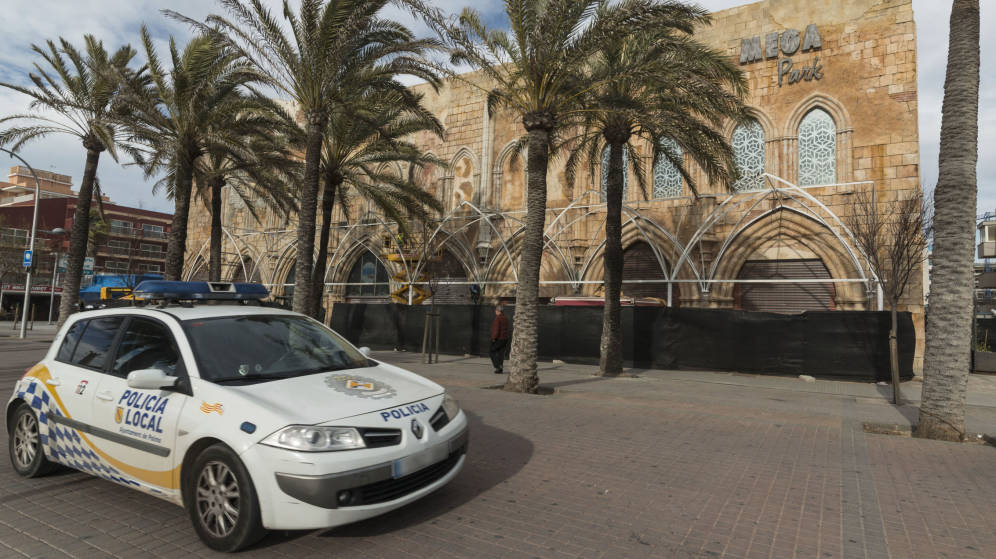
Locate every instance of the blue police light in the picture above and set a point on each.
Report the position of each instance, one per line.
(200, 291)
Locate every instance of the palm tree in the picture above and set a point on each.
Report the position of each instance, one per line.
(257, 167)
(82, 89)
(949, 318)
(315, 62)
(536, 70)
(361, 138)
(667, 89)
(186, 112)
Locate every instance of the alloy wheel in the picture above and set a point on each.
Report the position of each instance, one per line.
(26, 440)
(218, 499)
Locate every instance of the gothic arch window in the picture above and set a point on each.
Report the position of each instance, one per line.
(667, 179)
(748, 153)
(817, 149)
(605, 168)
(368, 270)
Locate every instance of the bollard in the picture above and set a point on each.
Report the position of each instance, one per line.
(436, 319)
(17, 313)
(426, 358)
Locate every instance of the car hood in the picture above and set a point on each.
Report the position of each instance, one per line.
(325, 397)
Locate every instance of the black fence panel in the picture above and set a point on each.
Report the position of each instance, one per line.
(849, 344)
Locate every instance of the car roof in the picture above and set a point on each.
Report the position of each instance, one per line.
(193, 312)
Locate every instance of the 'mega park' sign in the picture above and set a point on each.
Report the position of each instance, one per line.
(787, 42)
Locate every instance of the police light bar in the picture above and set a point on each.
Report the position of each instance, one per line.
(200, 291)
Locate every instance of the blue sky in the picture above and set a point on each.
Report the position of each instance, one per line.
(118, 21)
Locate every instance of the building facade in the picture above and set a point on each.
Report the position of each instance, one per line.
(130, 241)
(833, 96)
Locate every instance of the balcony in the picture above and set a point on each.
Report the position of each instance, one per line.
(122, 231)
(127, 252)
(116, 251)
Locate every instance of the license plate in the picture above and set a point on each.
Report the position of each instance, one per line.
(415, 462)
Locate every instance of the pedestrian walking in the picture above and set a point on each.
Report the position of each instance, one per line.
(499, 339)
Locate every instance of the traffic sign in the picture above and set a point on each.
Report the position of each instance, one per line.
(63, 263)
(88, 264)
(27, 259)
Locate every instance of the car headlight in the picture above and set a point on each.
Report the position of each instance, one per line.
(450, 406)
(309, 438)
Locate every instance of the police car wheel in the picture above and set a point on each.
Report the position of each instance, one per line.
(26, 452)
(222, 502)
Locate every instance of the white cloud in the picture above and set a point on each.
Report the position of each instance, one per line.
(118, 21)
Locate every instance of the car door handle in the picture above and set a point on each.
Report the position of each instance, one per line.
(53, 382)
(105, 396)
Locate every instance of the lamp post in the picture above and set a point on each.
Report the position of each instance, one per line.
(55, 272)
(31, 244)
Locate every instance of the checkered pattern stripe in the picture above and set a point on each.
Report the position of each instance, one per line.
(63, 442)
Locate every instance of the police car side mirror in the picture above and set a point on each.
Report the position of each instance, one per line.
(365, 351)
(150, 379)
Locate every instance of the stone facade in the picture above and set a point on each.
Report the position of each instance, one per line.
(833, 91)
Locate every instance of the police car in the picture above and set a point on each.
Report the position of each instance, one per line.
(251, 418)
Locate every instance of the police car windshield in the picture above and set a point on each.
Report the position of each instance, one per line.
(258, 348)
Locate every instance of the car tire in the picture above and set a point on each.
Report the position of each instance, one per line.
(221, 501)
(24, 443)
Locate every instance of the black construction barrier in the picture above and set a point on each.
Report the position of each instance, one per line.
(849, 344)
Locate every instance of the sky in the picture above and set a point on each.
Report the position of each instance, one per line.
(117, 22)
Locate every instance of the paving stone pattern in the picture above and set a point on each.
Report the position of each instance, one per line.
(601, 469)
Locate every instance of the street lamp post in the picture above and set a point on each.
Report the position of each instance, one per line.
(55, 272)
(31, 244)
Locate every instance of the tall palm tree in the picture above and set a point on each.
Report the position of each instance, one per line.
(665, 88)
(82, 89)
(536, 70)
(184, 113)
(314, 61)
(949, 318)
(362, 136)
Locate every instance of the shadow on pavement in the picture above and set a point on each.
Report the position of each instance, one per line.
(575, 381)
(495, 455)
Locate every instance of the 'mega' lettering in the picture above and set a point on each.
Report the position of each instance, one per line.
(787, 42)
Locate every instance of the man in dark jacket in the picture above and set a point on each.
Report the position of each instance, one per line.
(499, 339)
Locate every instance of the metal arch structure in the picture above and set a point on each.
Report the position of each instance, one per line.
(482, 216)
(736, 214)
(351, 228)
(245, 249)
(635, 218)
(793, 192)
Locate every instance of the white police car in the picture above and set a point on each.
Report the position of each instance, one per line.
(251, 418)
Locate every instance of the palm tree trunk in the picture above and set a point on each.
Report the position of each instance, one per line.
(79, 237)
(318, 274)
(611, 345)
(177, 243)
(214, 258)
(949, 320)
(522, 376)
(306, 216)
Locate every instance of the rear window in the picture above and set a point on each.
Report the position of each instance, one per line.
(91, 351)
(69, 341)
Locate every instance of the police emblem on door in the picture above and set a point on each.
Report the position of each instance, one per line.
(118, 414)
(417, 429)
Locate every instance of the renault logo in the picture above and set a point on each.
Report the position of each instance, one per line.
(416, 429)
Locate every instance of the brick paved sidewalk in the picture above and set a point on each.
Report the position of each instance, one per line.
(630, 467)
